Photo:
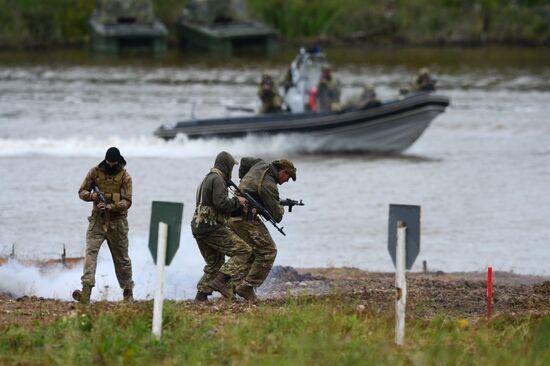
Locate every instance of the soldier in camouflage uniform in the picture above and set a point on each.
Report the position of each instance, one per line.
(328, 92)
(269, 95)
(107, 222)
(261, 183)
(422, 82)
(366, 99)
(209, 227)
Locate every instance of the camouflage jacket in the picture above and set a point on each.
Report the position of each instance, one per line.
(271, 100)
(261, 183)
(213, 205)
(328, 93)
(123, 202)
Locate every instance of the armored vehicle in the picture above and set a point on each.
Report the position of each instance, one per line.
(222, 27)
(117, 25)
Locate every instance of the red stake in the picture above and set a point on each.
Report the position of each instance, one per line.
(489, 291)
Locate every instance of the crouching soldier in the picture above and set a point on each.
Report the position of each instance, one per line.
(213, 236)
(109, 186)
(260, 181)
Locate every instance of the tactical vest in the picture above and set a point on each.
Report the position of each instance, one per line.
(110, 185)
(208, 214)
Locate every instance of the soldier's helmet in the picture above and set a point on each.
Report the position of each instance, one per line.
(368, 90)
(424, 72)
(287, 166)
(266, 77)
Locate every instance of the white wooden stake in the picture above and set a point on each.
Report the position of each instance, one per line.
(400, 283)
(159, 291)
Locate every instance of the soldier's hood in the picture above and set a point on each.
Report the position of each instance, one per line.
(247, 163)
(103, 165)
(225, 163)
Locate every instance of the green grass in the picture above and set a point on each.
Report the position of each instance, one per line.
(302, 331)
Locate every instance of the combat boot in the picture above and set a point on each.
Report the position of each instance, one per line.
(83, 296)
(220, 284)
(201, 296)
(128, 295)
(246, 292)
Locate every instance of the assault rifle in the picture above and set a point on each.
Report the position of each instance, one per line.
(290, 203)
(104, 211)
(253, 204)
(101, 196)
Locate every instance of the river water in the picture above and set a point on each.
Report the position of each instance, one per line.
(481, 172)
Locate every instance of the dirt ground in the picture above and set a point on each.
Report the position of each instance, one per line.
(459, 295)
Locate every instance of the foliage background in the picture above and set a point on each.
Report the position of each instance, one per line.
(27, 24)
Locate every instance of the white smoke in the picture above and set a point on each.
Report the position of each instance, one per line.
(57, 282)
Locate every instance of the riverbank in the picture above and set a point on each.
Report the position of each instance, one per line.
(314, 316)
(430, 295)
(63, 23)
(410, 23)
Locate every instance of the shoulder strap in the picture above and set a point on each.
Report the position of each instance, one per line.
(201, 191)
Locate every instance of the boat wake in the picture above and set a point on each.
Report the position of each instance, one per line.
(179, 148)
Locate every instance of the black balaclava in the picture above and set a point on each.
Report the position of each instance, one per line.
(112, 154)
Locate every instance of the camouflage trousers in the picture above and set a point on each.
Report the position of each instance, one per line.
(263, 247)
(117, 239)
(214, 247)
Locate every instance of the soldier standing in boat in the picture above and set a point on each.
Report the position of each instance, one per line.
(268, 91)
(209, 227)
(260, 181)
(109, 186)
(328, 92)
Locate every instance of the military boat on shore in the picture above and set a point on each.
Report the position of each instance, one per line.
(121, 25)
(222, 27)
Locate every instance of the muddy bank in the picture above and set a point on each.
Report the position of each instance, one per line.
(455, 295)
(460, 294)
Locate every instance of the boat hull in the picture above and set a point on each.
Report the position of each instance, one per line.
(391, 127)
